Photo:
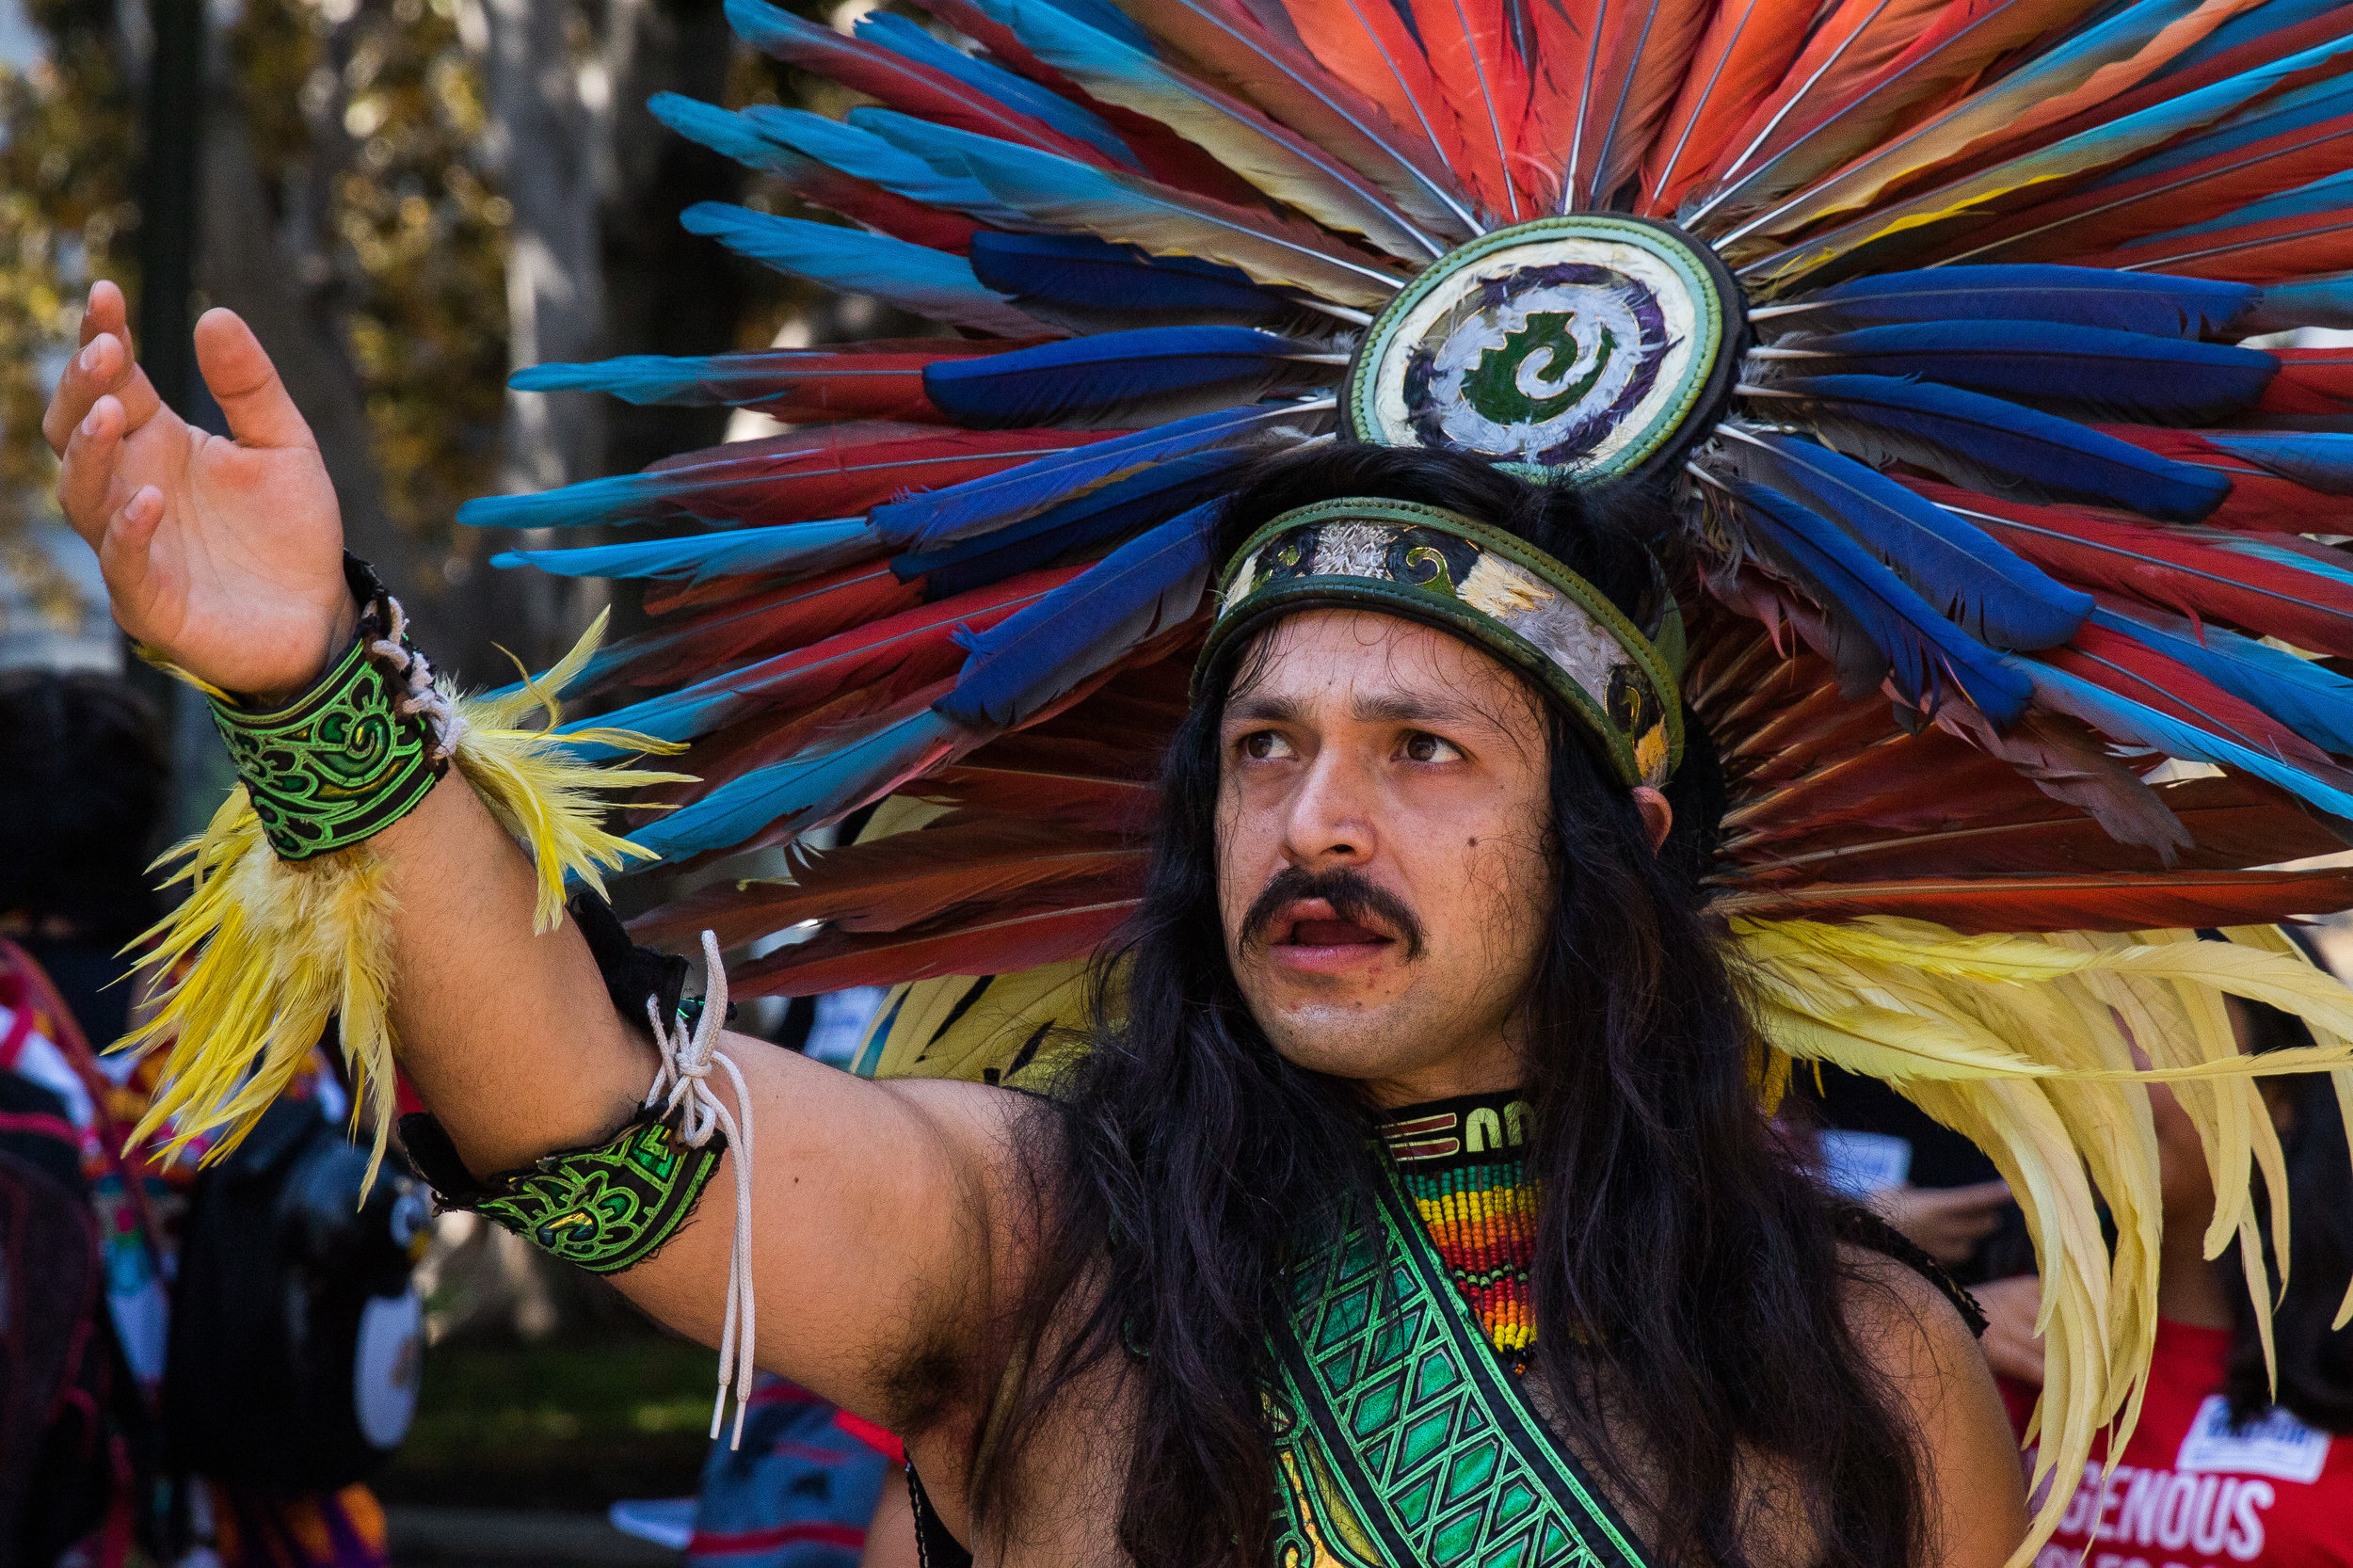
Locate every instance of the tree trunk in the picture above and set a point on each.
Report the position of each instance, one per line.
(545, 146)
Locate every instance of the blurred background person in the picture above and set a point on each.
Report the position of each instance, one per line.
(2220, 1473)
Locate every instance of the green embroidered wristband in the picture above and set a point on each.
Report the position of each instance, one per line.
(606, 1208)
(356, 753)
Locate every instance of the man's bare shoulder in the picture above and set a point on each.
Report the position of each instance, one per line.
(1931, 1364)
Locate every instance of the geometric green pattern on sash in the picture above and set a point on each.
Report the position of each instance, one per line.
(1399, 1440)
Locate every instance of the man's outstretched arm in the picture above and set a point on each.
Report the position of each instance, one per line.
(874, 1206)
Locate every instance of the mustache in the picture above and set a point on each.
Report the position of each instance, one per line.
(1353, 896)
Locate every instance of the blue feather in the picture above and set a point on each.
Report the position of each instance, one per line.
(1056, 276)
(2295, 110)
(801, 793)
(1997, 447)
(2260, 547)
(858, 152)
(724, 131)
(904, 37)
(1095, 381)
(2085, 296)
(1965, 576)
(978, 505)
(2310, 302)
(633, 377)
(1104, 17)
(2307, 697)
(2318, 460)
(1921, 647)
(912, 277)
(1138, 501)
(791, 550)
(1029, 658)
(2136, 724)
(2122, 375)
(1062, 195)
(616, 498)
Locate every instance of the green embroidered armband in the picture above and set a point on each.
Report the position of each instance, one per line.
(343, 761)
(607, 1209)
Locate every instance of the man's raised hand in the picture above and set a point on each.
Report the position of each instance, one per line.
(225, 554)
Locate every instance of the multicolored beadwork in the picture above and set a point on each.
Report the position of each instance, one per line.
(1460, 1162)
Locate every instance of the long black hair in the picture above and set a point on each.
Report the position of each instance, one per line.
(1687, 1279)
(2315, 1360)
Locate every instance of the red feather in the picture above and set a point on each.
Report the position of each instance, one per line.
(1604, 74)
(921, 638)
(2260, 500)
(2238, 823)
(2310, 381)
(1484, 78)
(2117, 902)
(757, 626)
(841, 470)
(2161, 569)
(1932, 773)
(927, 94)
(1367, 44)
(1848, 52)
(2116, 663)
(964, 859)
(1007, 942)
(878, 380)
(1080, 800)
(2278, 250)
(900, 216)
(1748, 47)
(2092, 220)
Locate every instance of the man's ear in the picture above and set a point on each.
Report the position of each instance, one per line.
(1657, 816)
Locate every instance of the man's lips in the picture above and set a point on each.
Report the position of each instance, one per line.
(1311, 937)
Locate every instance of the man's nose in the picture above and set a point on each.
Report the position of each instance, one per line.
(1330, 820)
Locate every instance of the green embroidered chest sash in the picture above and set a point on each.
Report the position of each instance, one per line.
(1399, 1440)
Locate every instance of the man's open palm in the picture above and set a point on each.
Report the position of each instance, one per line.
(224, 553)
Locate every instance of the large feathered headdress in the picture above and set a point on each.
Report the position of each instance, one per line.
(2014, 587)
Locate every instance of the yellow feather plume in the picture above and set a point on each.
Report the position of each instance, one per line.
(2039, 1050)
(281, 949)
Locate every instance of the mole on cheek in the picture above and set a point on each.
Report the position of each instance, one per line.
(1473, 842)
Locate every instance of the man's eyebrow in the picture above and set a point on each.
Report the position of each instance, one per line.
(1415, 709)
(1267, 707)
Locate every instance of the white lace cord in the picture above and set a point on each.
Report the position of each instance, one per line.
(681, 1087)
(416, 676)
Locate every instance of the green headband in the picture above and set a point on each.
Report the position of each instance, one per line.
(1430, 565)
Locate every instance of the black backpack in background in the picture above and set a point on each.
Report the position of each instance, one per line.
(58, 1434)
(296, 1341)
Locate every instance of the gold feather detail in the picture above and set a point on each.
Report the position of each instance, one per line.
(278, 949)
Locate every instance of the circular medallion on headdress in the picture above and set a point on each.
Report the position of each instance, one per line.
(1589, 344)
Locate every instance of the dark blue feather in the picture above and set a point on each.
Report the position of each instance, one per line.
(902, 37)
(1136, 501)
(1965, 576)
(2057, 366)
(978, 505)
(1997, 447)
(1090, 623)
(2309, 699)
(2085, 296)
(801, 793)
(1062, 276)
(792, 549)
(2318, 460)
(912, 277)
(1099, 380)
(1919, 647)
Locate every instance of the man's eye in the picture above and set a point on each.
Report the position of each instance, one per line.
(1430, 748)
(1265, 746)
